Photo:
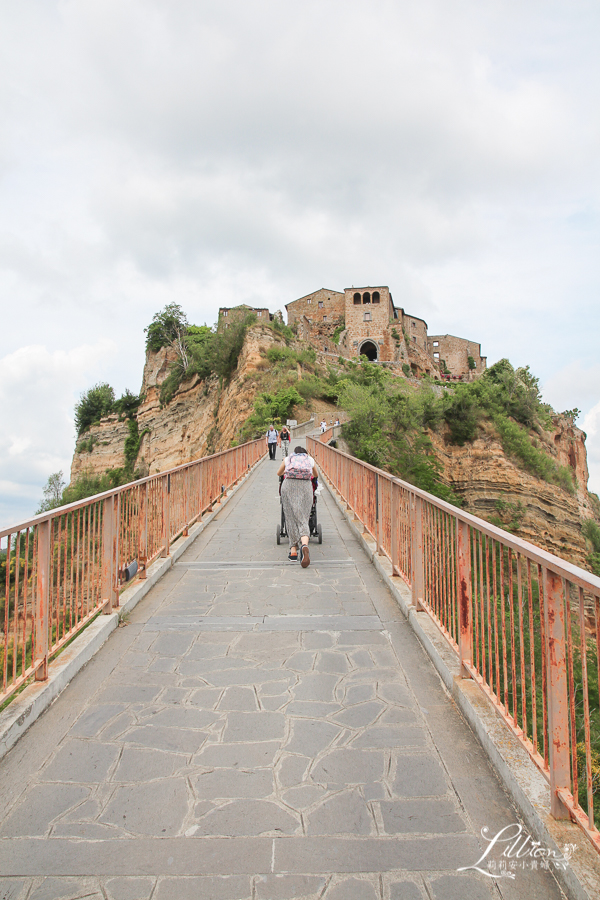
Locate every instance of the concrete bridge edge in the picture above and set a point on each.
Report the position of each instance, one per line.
(38, 696)
(521, 778)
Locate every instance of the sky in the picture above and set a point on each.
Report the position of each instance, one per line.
(215, 153)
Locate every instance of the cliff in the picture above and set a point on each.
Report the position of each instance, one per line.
(202, 417)
(495, 488)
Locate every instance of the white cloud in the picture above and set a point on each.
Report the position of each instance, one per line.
(38, 391)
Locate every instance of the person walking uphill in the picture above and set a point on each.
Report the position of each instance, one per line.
(285, 437)
(272, 436)
(297, 500)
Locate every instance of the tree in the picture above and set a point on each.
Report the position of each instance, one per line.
(169, 329)
(53, 493)
(93, 405)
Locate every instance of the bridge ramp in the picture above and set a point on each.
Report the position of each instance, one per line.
(257, 731)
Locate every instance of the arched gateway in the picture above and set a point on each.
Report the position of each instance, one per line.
(369, 349)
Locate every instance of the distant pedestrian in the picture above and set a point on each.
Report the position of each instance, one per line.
(284, 438)
(297, 499)
(272, 436)
(323, 426)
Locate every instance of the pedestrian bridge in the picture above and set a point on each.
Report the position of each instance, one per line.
(259, 731)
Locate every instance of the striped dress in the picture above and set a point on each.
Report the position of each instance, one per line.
(297, 500)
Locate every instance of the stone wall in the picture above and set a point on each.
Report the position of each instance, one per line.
(229, 314)
(369, 311)
(456, 351)
(322, 306)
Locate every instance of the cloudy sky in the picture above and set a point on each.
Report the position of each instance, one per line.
(213, 153)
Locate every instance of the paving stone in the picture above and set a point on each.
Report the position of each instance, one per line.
(156, 808)
(382, 736)
(420, 816)
(240, 676)
(332, 662)
(224, 784)
(301, 661)
(405, 890)
(163, 665)
(362, 659)
(349, 767)
(248, 817)
(174, 695)
(316, 686)
(255, 726)
(351, 639)
(288, 887)
(227, 887)
(67, 889)
(94, 718)
(418, 776)
(86, 831)
(129, 693)
(183, 717)
(253, 755)
(129, 888)
(205, 698)
(179, 740)
(358, 693)
(268, 642)
(343, 813)
(85, 762)
(396, 693)
(145, 765)
(460, 887)
(303, 796)
(13, 888)
(400, 715)
(310, 736)
(361, 715)
(135, 660)
(118, 726)
(292, 770)
(274, 704)
(308, 709)
(273, 688)
(315, 640)
(241, 698)
(352, 889)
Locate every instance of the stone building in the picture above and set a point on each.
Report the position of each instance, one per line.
(456, 352)
(229, 314)
(365, 322)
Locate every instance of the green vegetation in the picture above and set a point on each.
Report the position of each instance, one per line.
(93, 404)
(336, 334)
(509, 516)
(591, 531)
(471, 363)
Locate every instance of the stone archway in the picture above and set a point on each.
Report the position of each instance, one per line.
(369, 349)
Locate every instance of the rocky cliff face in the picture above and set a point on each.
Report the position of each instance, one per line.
(201, 418)
(492, 486)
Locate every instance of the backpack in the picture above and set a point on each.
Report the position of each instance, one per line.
(299, 466)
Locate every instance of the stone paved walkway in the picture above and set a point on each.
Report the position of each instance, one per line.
(257, 732)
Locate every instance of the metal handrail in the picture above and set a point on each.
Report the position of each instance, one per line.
(65, 566)
(523, 622)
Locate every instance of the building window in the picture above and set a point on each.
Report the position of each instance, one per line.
(375, 296)
(436, 343)
(366, 297)
(436, 355)
(309, 300)
(356, 299)
(225, 312)
(320, 304)
(414, 340)
(226, 324)
(414, 324)
(324, 318)
(367, 316)
(259, 313)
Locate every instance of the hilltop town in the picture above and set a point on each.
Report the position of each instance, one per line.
(365, 322)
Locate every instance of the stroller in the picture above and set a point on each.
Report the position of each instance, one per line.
(314, 528)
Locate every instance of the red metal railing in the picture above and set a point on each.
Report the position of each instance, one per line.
(524, 623)
(61, 568)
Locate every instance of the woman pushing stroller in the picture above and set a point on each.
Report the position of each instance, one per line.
(297, 498)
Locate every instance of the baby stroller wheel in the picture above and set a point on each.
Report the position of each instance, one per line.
(278, 534)
(320, 533)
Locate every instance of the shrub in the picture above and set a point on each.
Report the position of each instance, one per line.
(462, 415)
(95, 403)
(127, 405)
(167, 326)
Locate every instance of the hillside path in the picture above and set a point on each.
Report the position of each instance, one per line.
(257, 731)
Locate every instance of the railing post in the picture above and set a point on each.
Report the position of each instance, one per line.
(143, 548)
(108, 543)
(40, 653)
(166, 516)
(418, 581)
(558, 704)
(186, 502)
(379, 505)
(394, 556)
(465, 638)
